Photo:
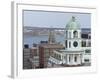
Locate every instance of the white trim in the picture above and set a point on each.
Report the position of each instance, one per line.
(14, 70)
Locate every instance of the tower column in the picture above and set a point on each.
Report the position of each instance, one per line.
(73, 59)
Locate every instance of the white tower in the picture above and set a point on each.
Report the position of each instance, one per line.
(72, 55)
(73, 35)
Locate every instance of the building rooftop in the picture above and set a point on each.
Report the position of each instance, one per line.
(51, 45)
(69, 51)
(73, 24)
(85, 31)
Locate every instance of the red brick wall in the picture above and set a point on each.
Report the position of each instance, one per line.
(41, 57)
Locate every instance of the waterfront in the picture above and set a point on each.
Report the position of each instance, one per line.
(30, 40)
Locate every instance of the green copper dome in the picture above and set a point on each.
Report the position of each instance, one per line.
(73, 24)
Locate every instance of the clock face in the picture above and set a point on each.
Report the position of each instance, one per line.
(75, 44)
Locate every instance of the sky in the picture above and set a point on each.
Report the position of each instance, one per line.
(55, 19)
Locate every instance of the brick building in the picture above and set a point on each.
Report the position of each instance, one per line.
(26, 56)
(45, 51)
(34, 57)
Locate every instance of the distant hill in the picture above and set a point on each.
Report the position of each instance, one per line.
(44, 31)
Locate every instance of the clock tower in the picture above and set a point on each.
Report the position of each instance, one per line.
(73, 53)
(73, 35)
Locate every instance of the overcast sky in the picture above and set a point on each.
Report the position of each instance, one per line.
(55, 19)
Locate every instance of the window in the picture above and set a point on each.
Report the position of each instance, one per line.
(83, 43)
(66, 43)
(35, 52)
(46, 55)
(75, 58)
(69, 59)
(75, 34)
(87, 51)
(86, 60)
(69, 44)
(46, 50)
(66, 34)
(85, 36)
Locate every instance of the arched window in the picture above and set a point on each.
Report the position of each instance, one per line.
(75, 34)
(66, 43)
(69, 44)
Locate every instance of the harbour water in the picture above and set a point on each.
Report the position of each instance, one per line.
(30, 40)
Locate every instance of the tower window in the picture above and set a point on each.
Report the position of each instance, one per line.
(66, 34)
(69, 59)
(75, 34)
(66, 43)
(75, 59)
(69, 44)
